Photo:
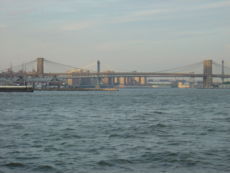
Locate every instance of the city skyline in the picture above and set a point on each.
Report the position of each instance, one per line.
(130, 35)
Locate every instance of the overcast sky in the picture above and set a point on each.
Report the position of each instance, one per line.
(143, 35)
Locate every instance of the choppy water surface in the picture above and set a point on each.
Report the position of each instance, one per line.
(133, 130)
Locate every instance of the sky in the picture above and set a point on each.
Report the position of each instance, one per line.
(128, 35)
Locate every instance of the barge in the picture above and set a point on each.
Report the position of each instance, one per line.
(77, 89)
(16, 89)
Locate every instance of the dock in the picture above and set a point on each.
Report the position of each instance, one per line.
(16, 89)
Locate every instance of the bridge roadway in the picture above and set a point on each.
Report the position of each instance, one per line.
(126, 74)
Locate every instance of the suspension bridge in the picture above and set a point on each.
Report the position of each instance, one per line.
(43, 71)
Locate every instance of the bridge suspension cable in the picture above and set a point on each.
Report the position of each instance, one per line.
(24, 67)
(59, 65)
(195, 68)
(217, 68)
(89, 66)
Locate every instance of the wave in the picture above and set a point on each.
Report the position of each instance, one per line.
(46, 168)
(14, 164)
(104, 163)
(114, 162)
(126, 135)
(158, 112)
(170, 158)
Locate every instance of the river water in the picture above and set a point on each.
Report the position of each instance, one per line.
(132, 130)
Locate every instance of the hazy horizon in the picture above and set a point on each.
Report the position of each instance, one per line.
(147, 35)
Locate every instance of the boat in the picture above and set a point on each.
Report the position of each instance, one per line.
(183, 85)
(16, 89)
(77, 89)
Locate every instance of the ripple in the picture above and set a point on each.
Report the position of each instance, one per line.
(15, 165)
(122, 161)
(158, 112)
(51, 149)
(104, 163)
(170, 158)
(158, 125)
(126, 135)
(114, 162)
(46, 168)
(70, 136)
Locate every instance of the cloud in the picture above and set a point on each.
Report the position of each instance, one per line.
(215, 5)
(3, 26)
(227, 47)
(151, 12)
(21, 12)
(78, 26)
(118, 45)
(130, 17)
(140, 15)
(143, 15)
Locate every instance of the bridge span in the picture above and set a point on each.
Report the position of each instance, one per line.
(128, 74)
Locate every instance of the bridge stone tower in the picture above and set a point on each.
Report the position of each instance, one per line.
(40, 66)
(207, 78)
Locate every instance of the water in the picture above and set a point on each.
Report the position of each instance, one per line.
(133, 130)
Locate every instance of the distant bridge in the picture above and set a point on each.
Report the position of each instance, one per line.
(128, 74)
(207, 70)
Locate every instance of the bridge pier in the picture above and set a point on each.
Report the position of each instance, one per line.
(116, 80)
(122, 81)
(111, 81)
(129, 80)
(207, 71)
(136, 80)
(125, 80)
(143, 80)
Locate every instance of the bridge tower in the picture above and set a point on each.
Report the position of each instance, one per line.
(98, 66)
(207, 74)
(40, 66)
(98, 72)
(222, 71)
